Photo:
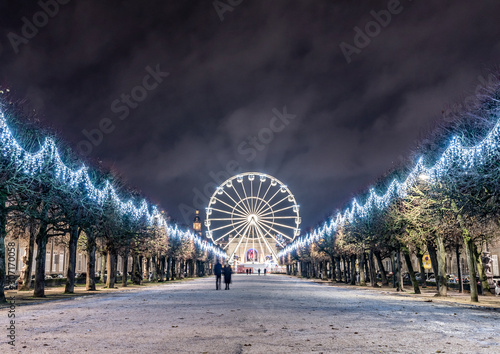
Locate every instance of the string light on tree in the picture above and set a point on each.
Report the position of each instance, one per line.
(455, 156)
(48, 159)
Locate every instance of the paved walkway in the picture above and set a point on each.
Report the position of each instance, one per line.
(260, 314)
(428, 294)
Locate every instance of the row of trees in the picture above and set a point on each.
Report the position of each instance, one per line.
(452, 206)
(41, 198)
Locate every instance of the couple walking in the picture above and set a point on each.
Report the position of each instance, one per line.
(218, 271)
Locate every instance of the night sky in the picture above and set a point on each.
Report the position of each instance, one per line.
(181, 91)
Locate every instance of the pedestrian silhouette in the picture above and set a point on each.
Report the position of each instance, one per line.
(265, 271)
(218, 275)
(247, 271)
(258, 270)
(227, 275)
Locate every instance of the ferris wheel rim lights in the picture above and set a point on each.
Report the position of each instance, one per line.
(245, 213)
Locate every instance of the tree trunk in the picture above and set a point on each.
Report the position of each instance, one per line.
(373, 275)
(141, 267)
(393, 266)
(378, 257)
(420, 258)
(41, 244)
(148, 267)
(332, 268)
(169, 269)
(469, 244)
(346, 270)
(91, 246)
(154, 268)
(413, 278)
(480, 270)
(362, 275)
(459, 269)
(367, 270)
(338, 276)
(104, 256)
(434, 261)
(399, 280)
(441, 258)
(29, 260)
(136, 272)
(111, 265)
(162, 268)
(173, 268)
(74, 234)
(353, 269)
(125, 267)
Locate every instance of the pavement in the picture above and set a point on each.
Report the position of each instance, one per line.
(56, 293)
(428, 294)
(260, 314)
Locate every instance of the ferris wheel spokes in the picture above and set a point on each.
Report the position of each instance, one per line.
(244, 210)
(231, 240)
(271, 235)
(222, 227)
(253, 217)
(246, 197)
(234, 228)
(226, 212)
(280, 233)
(272, 206)
(267, 201)
(223, 202)
(264, 196)
(232, 255)
(277, 211)
(278, 224)
(241, 202)
(268, 246)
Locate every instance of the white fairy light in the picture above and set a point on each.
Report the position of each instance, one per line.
(48, 157)
(454, 155)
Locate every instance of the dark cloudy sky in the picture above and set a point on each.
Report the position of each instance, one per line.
(227, 78)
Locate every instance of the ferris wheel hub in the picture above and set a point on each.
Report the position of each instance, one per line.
(253, 219)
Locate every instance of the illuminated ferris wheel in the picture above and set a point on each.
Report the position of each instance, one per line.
(251, 216)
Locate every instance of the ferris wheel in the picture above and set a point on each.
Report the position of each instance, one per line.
(251, 216)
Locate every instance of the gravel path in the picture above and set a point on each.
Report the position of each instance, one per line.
(260, 314)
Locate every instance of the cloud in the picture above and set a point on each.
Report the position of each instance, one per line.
(354, 121)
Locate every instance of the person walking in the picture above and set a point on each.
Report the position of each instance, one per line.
(258, 270)
(265, 271)
(218, 275)
(247, 271)
(227, 275)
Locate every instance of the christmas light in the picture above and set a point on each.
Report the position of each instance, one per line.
(48, 157)
(454, 155)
